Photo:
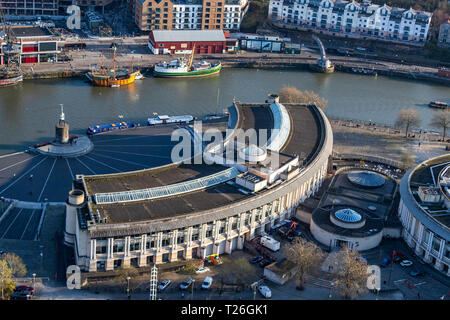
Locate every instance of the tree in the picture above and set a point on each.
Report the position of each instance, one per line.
(15, 263)
(307, 257)
(293, 95)
(6, 282)
(351, 276)
(238, 271)
(407, 118)
(441, 119)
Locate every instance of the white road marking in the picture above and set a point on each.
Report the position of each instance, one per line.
(103, 164)
(86, 166)
(137, 154)
(10, 225)
(70, 169)
(15, 164)
(134, 145)
(46, 180)
(14, 182)
(29, 220)
(130, 162)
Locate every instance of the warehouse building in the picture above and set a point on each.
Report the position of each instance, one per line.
(185, 211)
(37, 44)
(182, 42)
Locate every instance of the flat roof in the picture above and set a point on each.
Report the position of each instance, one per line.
(28, 31)
(188, 35)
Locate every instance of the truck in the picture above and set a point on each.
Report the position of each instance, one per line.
(270, 243)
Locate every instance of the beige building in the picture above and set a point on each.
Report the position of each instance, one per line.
(179, 216)
(188, 14)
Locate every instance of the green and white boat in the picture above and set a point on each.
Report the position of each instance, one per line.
(186, 68)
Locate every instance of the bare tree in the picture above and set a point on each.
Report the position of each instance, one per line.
(15, 263)
(307, 257)
(351, 276)
(239, 271)
(293, 95)
(441, 119)
(123, 273)
(407, 118)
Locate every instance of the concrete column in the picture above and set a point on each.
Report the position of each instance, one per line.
(93, 248)
(173, 255)
(228, 224)
(441, 249)
(240, 242)
(439, 265)
(174, 239)
(157, 258)
(158, 242)
(228, 246)
(143, 246)
(187, 254)
(418, 250)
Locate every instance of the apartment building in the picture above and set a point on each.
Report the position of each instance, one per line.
(189, 14)
(444, 35)
(29, 7)
(352, 19)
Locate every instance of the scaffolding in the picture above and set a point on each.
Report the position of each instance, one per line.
(153, 282)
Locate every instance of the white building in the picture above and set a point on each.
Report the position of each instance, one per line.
(350, 18)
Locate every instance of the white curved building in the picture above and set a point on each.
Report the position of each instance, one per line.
(179, 212)
(424, 211)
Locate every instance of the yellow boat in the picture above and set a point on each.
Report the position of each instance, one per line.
(113, 78)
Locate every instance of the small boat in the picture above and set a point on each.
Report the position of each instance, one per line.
(186, 68)
(110, 127)
(438, 104)
(169, 119)
(10, 79)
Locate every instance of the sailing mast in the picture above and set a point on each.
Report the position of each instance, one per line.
(11, 49)
(191, 58)
(114, 66)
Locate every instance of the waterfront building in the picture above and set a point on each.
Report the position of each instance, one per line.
(185, 211)
(37, 44)
(444, 35)
(182, 41)
(352, 19)
(424, 211)
(29, 7)
(357, 210)
(189, 14)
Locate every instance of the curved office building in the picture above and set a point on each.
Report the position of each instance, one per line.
(184, 211)
(424, 211)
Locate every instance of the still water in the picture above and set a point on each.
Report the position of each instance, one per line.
(28, 112)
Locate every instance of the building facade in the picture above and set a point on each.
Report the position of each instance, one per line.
(426, 220)
(217, 220)
(29, 7)
(182, 42)
(189, 14)
(352, 19)
(444, 35)
(36, 45)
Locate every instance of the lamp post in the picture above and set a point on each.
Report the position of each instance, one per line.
(192, 290)
(128, 288)
(34, 281)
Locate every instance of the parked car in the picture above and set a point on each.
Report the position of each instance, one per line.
(24, 289)
(385, 262)
(416, 273)
(186, 283)
(406, 263)
(202, 270)
(256, 259)
(207, 283)
(265, 291)
(164, 284)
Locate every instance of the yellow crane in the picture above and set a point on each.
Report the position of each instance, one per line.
(191, 58)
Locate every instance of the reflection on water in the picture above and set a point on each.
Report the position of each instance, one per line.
(29, 111)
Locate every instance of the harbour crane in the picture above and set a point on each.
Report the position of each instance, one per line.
(323, 63)
(10, 49)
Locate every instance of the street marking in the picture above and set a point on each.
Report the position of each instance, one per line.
(29, 220)
(14, 182)
(15, 164)
(137, 154)
(86, 166)
(10, 225)
(46, 180)
(104, 164)
(70, 169)
(130, 162)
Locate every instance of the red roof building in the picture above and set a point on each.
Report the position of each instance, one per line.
(182, 41)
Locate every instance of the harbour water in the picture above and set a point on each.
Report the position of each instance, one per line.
(28, 111)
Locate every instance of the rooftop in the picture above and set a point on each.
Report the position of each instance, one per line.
(187, 35)
(30, 32)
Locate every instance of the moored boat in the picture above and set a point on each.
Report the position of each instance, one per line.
(9, 80)
(110, 127)
(438, 104)
(186, 68)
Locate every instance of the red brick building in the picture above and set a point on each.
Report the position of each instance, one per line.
(182, 41)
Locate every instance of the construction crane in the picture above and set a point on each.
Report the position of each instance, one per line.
(10, 49)
(191, 58)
